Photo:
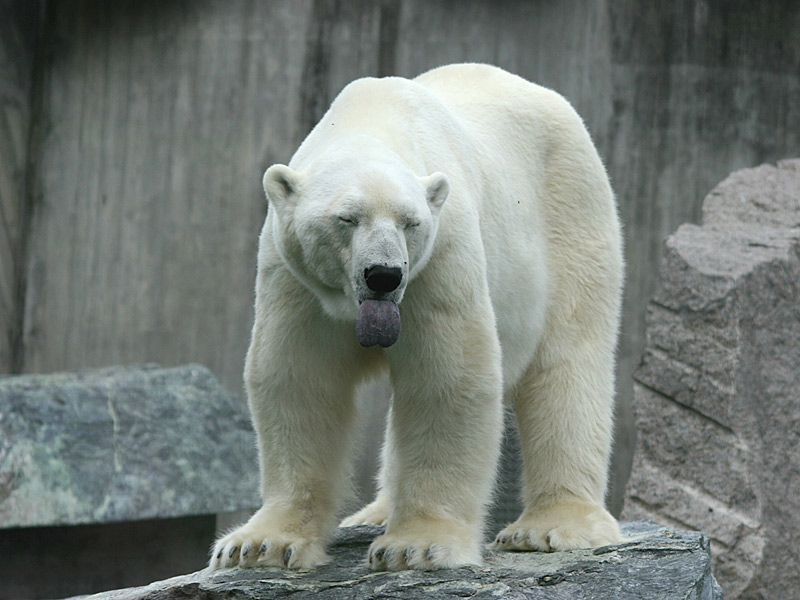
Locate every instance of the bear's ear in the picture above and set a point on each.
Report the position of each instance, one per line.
(281, 184)
(437, 187)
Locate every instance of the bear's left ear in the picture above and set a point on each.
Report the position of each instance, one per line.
(281, 185)
(437, 187)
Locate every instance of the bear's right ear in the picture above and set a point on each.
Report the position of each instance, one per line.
(281, 184)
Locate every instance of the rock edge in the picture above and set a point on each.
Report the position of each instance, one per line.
(654, 562)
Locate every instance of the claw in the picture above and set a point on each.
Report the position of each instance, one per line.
(388, 556)
(263, 548)
(232, 551)
(287, 556)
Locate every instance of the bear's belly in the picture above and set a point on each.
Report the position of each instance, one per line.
(519, 294)
(519, 329)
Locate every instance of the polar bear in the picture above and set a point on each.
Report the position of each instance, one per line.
(459, 231)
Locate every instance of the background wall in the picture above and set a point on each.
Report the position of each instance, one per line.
(133, 136)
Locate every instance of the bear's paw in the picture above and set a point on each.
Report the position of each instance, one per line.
(566, 526)
(425, 546)
(256, 544)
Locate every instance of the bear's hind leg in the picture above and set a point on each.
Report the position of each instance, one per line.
(377, 511)
(564, 412)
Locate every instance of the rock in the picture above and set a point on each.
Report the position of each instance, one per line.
(717, 394)
(657, 563)
(120, 444)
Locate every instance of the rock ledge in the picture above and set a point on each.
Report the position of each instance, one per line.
(655, 562)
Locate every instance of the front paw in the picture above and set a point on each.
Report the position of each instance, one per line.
(565, 526)
(267, 539)
(424, 544)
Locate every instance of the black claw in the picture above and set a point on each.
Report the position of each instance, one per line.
(406, 555)
(287, 556)
(219, 554)
(429, 554)
(503, 539)
(245, 551)
(379, 554)
(233, 551)
(263, 548)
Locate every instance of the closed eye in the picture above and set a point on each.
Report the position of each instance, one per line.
(410, 223)
(348, 220)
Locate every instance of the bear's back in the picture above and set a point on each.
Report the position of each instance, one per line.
(489, 101)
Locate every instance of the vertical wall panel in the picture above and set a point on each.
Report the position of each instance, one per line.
(162, 117)
(18, 30)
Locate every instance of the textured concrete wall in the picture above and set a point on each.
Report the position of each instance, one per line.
(157, 120)
(18, 36)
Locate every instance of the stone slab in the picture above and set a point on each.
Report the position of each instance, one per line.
(122, 444)
(654, 563)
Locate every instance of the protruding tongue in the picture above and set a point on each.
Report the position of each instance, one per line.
(378, 323)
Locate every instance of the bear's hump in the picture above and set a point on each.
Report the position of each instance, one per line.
(386, 93)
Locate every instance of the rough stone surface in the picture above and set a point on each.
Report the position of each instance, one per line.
(122, 443)
(717, 395)
(657, 563)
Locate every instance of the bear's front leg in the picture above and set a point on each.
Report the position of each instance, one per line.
(444, 434)
(301, 374)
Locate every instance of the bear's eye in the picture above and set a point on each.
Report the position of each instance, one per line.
(348, 220)
(411, 223)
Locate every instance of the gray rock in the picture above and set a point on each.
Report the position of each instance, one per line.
(717, 394)
(655, 563)
(122, 443)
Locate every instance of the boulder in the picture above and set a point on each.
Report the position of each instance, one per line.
(717, 394)
(122, 444)
(654, 563)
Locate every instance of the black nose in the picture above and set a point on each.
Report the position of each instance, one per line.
(383, 279)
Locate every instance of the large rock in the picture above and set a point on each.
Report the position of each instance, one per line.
(656, 563)
(717, 395)
(122, 444)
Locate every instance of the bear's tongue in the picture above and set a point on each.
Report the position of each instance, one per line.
(378, 323)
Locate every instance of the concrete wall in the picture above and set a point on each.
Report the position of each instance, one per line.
(153, 122)
(19, 27)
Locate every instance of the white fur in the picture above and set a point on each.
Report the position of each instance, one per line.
(486, 191)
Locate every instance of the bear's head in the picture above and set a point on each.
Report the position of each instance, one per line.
(355, 229)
